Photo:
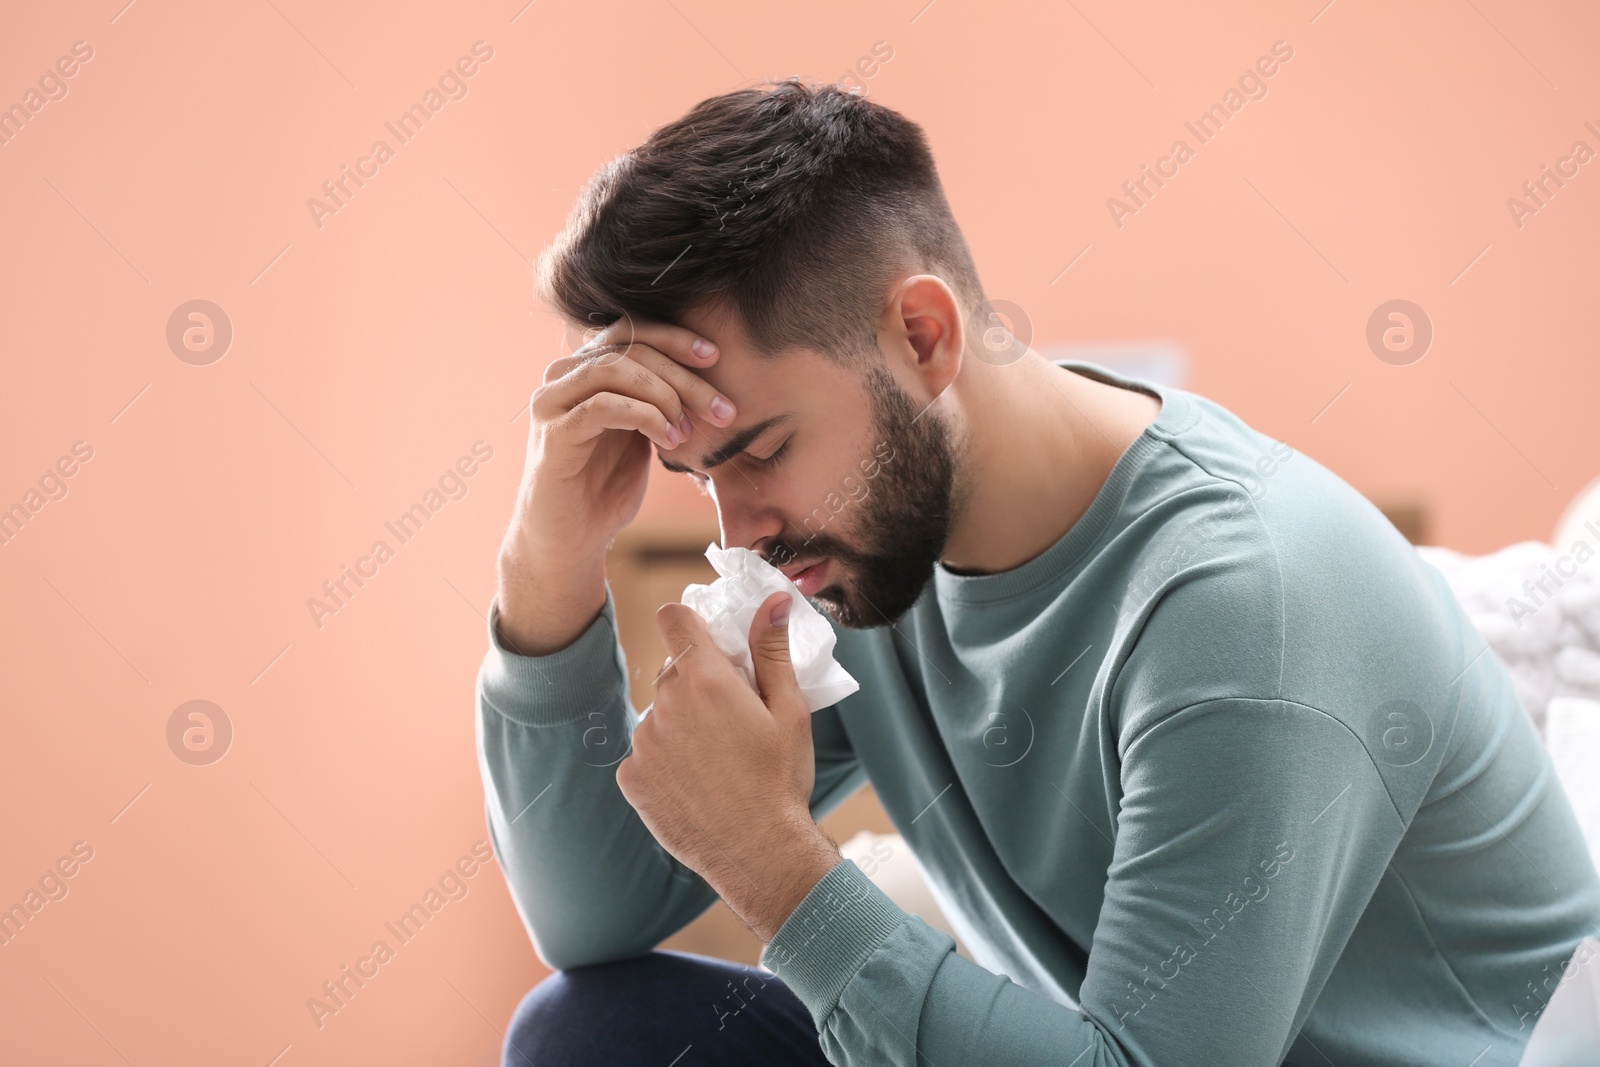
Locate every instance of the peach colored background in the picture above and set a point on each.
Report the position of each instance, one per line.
(372, 352)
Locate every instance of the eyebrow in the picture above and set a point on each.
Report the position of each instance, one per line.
(731, 447)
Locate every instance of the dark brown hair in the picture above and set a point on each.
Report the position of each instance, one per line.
(793, 206)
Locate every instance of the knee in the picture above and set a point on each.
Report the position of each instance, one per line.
(648, 1009)
(565, 1015)
(538, 1019)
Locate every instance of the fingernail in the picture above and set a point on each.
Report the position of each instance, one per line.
(686, 426)
(721, 408)
(703, 348)
(780, 613)
(673, 436)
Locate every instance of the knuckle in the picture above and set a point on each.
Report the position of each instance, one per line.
(563, 422)
(556, 368)
(609, 352)
(702, 390)
(675, 628)
(583, 412)
(641, 378)
(664, 715)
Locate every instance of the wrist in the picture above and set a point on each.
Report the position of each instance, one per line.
(543, 612)
(792, 864)
(524, 560)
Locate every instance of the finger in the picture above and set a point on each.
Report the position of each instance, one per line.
(769, 649)
(680, 343)
(612, 411)
(625, 774)
(672, 352)
(681, 629)
(698, 395)
(576, 379)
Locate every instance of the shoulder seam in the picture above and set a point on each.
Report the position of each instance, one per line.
(1291, 703)
(1266, 532)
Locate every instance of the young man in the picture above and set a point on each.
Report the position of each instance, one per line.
(1202, 760)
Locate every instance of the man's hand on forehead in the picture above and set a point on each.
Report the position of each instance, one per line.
(650, 366)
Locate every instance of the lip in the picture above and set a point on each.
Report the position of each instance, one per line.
(793, 569)
(807, 577)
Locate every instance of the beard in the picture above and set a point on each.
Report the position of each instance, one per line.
(900, 527)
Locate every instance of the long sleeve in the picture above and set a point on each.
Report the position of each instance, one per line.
(590, 882)
(1250, 836)
(1224, 776)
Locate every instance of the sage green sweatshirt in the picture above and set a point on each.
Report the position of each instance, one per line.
(1222, 777)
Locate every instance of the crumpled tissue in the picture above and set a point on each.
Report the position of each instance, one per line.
(728, 605)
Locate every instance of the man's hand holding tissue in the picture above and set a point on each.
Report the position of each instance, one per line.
(722, 774)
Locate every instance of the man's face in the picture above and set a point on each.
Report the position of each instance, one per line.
(864, 480)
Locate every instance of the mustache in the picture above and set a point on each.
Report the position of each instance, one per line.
(782, 553)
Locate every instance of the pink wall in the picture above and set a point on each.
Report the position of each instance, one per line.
(374, 347)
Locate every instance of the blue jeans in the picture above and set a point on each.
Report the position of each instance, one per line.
(663, 1009)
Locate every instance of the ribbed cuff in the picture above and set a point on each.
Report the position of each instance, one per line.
(559, 688)
(825, 941)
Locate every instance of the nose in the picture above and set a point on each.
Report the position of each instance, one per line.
(742, 521)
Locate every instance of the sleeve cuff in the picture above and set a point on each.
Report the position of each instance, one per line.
(830, 935)
(562, 687)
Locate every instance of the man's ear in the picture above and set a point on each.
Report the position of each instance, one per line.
(923, 335)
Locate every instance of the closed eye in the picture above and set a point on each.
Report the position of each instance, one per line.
(766, 463)
(772, 460)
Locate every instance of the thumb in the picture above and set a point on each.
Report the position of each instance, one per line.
(769, 650)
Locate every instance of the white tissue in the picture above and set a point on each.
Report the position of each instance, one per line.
(729, 607)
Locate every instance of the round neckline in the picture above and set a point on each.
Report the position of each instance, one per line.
(1176, 415)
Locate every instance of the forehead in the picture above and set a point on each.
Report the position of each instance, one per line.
(800, 384)
(761, 386)
(740, 373)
